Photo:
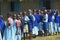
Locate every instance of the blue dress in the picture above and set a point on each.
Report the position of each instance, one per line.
(18, 30)
(8, 31)
(14, 30)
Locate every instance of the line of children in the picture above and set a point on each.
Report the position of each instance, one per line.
(36, 22)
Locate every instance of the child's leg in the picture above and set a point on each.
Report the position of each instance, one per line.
(30, 35)
(36, 31)
(24, 36)
(52, 28)
(49, 28)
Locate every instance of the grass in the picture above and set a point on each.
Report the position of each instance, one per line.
(56, 37)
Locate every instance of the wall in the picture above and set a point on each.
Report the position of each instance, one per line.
(55, 4)
(29, 4)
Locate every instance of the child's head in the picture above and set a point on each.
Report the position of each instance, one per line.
(14, 16)
(24, 13)
(34, 11)
(21, 14)
(38, 11)
(29, 11)
(8, 15)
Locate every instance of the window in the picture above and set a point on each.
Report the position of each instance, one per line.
(46, 3)
(12, 6)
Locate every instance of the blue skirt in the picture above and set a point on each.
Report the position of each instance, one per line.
(45, 25)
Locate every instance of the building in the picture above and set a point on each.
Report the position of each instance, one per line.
(15, 6)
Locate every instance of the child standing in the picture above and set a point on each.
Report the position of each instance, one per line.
(45, 22)
(50, 20)
(25, 28)
(35, 23)
(8, 29)
(18, 29)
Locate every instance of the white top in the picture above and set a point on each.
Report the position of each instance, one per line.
(45, 19)
(26, 18)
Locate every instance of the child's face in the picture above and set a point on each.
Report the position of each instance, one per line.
(25, 13)
(42, 12)
(39, 11)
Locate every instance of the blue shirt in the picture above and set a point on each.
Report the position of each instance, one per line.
(50, 18)
(30, 22)
(36, 19)
(56, 18)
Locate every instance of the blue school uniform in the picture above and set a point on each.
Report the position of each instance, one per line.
(45, 21)
(36, 19)
(18, 30)
(30, 22)
(56, 23)
(59, 23)
(40, 27)
(35, 24)
(7, 31)
(50, 20)
(14, 30)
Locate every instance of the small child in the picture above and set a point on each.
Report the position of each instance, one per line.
(25, 28)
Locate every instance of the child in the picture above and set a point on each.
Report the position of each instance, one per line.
(56, 22)
(45, 22)
(14, 27)
(22, 23)
(50, 20)
(25, 28)
(18, 29)
(8, 29)
(35, 23)
(30, 23)
(41, 32)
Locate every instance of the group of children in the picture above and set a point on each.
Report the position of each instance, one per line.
(36, 22)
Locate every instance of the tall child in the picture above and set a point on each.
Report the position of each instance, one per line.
(50, 21)
(30, 23)
(18, 29)
(35, 23)
(45, 22)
